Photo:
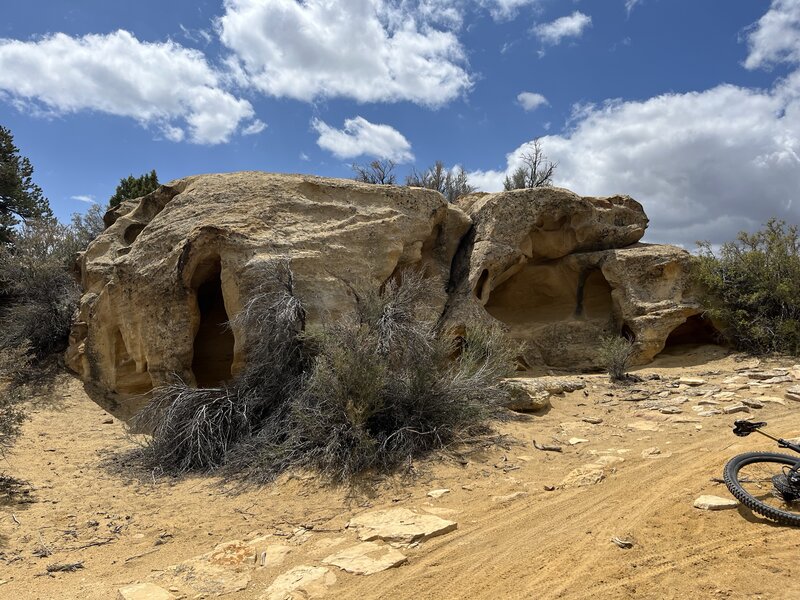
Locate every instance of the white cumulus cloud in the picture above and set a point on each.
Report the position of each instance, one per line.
(705, 165)
(570, 26)
(255, 127)
(775, 37)
(164, 85)
(88, 198)
(367, 50)
(359, 137)
(531, 100)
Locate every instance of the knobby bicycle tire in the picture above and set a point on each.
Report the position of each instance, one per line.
(731, 475)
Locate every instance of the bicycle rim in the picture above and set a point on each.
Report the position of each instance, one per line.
(751, 479)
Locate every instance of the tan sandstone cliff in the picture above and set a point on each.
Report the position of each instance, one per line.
(173, 267)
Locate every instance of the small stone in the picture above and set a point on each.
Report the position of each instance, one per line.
(583, 476)
(772, 400)
(509, 497)
(736, 408)
(468, 486)
(592, 420)
(692, 381)
(651, 452)
(709, 413)
(438, 493)
(144, 591)
(108, 421)
(793, 393)
(670, 410)
(576, 440)
(644, 426)
(714, 503)
(779, 379)
(752, 403)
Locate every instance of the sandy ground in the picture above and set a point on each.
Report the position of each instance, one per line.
(87, 506)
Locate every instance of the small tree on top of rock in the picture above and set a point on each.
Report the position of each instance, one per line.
(134, 187)
(536, 170)
(20, 198)
(452, 184)
(378, 172)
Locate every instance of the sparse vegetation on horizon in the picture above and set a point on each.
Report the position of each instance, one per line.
(751, 287)
(536, 170)
(450, 183)
(134, 187)
(380, 172)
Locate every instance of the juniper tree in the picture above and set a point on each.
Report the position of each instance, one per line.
(134, 187)
(20, 198)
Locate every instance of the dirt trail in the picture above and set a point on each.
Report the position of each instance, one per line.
(533, 544)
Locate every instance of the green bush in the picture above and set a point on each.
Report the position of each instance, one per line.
(615, 353)
(751, 286)
(39, 291)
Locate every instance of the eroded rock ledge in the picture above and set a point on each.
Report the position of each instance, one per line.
(558, 270)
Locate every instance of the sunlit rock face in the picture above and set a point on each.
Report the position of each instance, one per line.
(555, 269)
(561, 271)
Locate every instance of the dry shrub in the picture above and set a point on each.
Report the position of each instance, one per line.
(192, 429)
(39, 294)
(615, 353)
(383, 389)
(370, 392)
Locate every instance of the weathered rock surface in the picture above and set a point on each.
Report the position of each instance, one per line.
(299, 583)
(400, 526)
(366, 558)
(556, 269)
(562, 270)
(144, 591)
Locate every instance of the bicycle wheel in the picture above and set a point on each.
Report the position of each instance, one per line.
(757, 480)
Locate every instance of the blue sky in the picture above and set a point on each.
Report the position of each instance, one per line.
(690, 106)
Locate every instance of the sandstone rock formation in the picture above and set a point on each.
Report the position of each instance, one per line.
(562, 270)
(163, 279)
(558, 270)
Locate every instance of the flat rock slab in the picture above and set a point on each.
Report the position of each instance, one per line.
(366, 558)
(224, 570)
(691, 381)
(438, 493)
(509, 497)
(644, 426)
(715, 503)
(301, 582)
(144, 591)
(400, 526)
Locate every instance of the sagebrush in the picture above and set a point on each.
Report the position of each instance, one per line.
(369, 392)
(751, 288)
(615, 352)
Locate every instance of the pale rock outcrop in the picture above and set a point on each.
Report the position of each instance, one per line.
(556, 269)
(561, 271)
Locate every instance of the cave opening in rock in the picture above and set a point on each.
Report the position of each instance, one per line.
(696, 330)
(212, 356)
(549, 293)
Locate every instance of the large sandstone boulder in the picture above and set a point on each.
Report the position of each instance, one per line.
(561, 271)
(165, 276)
(556, 269)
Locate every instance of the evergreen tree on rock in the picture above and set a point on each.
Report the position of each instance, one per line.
(20, 198)
(134, 187)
